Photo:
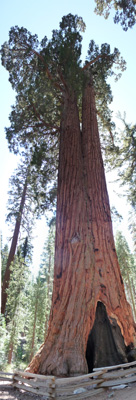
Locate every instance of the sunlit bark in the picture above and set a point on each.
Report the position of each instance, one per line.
(86, 267)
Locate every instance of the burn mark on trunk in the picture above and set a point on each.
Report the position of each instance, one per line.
(103, 288)
(58, 276)
(105, 344)
(57, 299)
(100, 273)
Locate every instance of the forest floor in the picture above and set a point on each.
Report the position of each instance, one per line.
(7, 392)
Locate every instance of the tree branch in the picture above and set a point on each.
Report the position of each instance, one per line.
(46, 67)
(43, 123)
(93, 61)
(62, 78)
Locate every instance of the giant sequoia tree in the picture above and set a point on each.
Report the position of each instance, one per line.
(88, 292)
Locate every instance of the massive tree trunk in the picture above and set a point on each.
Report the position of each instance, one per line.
(107, 286)
(86, 268)
(13, 249)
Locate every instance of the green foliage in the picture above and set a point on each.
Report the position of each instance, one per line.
(28, 304)
(33, 188)
(123, 157)
(125, 11)
(115, 215)
(4, 257)
(132, 228)
(39, 196)
(35, 323)
(126, 259)
(107, 65)
(42, 73)
(46, 271)
(39, 299)
(47, 264)
(16, 303)
(65, 50)
(3, 342)
(128, 268)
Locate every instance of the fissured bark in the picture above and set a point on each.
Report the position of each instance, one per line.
(86, 268)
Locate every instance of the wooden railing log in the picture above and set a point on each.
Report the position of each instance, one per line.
(30, 375)
(6, 379)
(34, 383)
(71, 388)
(118, 374)
(115, 366)
(64, 388)
(117, 382)
(38, 392)
(6, 373)
(65, 381)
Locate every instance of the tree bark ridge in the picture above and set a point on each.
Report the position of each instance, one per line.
(86, 269)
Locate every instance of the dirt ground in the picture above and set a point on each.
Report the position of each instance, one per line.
(7, 392)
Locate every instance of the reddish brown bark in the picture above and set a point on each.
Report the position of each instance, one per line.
(12, 250)
(107, 285)
(86, 267)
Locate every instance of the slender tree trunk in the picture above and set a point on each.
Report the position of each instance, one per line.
(48, 299)
(10, 353)
(86, 267)
(13, 249)
(34, 329)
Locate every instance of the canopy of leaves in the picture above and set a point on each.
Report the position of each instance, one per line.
(38, 169)
(125, 11)
(42, 72)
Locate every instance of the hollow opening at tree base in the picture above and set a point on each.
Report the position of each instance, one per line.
(105, 346)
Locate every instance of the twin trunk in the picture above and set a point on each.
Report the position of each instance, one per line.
(86, 267)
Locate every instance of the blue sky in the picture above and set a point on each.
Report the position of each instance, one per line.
(42, 17)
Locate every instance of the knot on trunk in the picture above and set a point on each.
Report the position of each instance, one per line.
(75, 238)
